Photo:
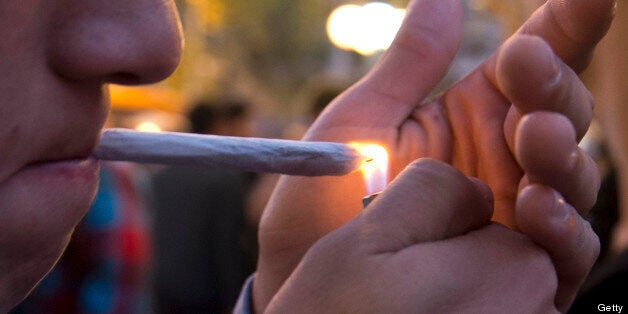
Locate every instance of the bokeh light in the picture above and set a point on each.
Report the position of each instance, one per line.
(148, 126)
(364, 29)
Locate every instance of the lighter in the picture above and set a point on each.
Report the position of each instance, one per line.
(368, 199)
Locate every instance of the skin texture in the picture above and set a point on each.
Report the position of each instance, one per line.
(474, 126)
(56, 58)
(426, 245)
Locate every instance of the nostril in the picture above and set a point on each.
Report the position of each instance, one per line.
(124, 78)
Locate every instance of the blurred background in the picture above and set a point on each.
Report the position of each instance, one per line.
(278, 55)
(178, 240)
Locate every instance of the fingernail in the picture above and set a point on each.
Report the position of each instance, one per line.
(483, 189)
(615, 7)
(553, 62)
(561, 211)
(557, 71)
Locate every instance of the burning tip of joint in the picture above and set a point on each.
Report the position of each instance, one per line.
(374, 165)
(370, 152)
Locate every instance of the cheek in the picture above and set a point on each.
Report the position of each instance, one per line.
(21, 65)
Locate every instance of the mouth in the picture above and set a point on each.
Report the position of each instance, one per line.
(78, 164)
(55, 183)
(68, 169)
(62, 188)
(60, 160)
(75, 151)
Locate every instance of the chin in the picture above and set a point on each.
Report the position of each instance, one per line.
(41, 205)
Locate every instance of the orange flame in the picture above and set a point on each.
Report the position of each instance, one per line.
(374, 167)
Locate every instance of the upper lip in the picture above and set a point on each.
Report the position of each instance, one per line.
(77, 152)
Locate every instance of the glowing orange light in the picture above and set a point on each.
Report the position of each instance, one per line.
(148, 126)
(374, 167)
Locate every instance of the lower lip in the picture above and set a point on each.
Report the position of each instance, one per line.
(78, 171)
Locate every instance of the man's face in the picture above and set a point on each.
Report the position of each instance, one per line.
(56, 57)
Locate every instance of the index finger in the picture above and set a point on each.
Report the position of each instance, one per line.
(572, 27)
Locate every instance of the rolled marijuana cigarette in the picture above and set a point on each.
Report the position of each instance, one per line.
(244, 153)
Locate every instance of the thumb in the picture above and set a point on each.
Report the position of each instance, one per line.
(416, 61)
(428, 201)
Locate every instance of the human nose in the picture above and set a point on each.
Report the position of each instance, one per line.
(116, 41)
